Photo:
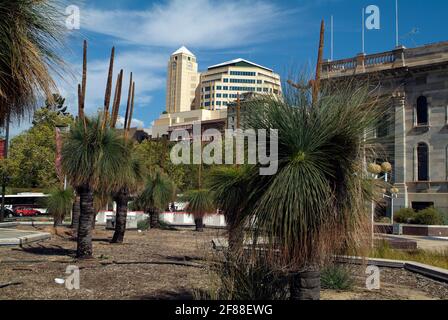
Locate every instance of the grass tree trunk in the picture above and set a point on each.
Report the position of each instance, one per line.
(236, 238)
(120, 218)
(76, 211)
(154, 218)
(199, 222)
(87, 214)
(305, 285)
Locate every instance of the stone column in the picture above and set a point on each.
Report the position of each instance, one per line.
(400, 167)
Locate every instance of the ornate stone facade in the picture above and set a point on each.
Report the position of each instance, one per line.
(417, 81)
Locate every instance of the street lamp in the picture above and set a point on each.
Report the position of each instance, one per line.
(380, 172)
(393, 195)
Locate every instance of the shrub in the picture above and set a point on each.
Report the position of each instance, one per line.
(336, 277)
(245, 278)
(143, 225)
(405, 215)
(429, 216)
(383, 220)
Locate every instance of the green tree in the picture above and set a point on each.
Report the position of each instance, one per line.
(156, 157)
(158, 192)
(91, 157)
(31, 33)
(130, 178)
(200, 202)
(33, 152)
(59, 204)
(314, 205)
(228, 185)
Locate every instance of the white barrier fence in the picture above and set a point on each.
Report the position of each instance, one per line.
(170, 218)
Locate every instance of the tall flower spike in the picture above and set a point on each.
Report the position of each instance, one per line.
(109, 87)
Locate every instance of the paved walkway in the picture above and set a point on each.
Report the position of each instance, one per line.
(426, 243)
(13, 237)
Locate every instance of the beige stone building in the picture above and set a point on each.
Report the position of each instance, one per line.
(416, 79)
(182, 81)
(192, 96)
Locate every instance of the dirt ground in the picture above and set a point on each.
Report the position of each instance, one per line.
(156, 264)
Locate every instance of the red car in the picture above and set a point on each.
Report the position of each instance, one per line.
(26, 212)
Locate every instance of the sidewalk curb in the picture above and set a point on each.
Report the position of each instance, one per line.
(435, 273)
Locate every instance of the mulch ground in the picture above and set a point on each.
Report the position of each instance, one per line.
(156, 264)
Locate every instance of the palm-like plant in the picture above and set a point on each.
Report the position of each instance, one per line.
(59, 204)
(129, 179)
(200, 202)
(228, 185)
(158, 192)
(30, 34)
(91, 157)
(315, 203)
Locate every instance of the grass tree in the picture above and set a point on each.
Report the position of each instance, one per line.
(31, 32)
(59, 204)
(129, 179)
(200, 202)
(315, 204)
(228, 185)
(158, 192)
(91, 156)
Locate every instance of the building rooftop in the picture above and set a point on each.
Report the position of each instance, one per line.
(400, 58)
(238, 63)
(183, 50)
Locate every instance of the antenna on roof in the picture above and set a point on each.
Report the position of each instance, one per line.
(363, 31)
(397, 43)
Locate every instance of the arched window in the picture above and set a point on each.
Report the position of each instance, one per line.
(423, 162)
(422, 111)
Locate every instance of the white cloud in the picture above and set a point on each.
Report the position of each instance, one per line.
(135, 123)
(148, 73)
(199, 23)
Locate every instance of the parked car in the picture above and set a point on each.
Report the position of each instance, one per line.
(26, 212)
(9, 213)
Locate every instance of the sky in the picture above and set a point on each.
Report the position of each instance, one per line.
(282, 35)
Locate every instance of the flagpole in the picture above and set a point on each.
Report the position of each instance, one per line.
(397, 41)
(363, 31)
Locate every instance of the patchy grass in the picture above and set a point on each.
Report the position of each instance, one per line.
(337, 277)
(433, 258)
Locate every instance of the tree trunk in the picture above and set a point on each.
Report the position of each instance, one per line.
(85, 249)
(199, 222)
(120, 218)
(305, 285)
(94, 220)
(236, 238)
(57, 221)
(76, 210)
(154, 219)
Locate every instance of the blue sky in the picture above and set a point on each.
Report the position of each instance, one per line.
(282, 35)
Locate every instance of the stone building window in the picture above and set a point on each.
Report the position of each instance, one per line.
(422, 111)
(423, 162)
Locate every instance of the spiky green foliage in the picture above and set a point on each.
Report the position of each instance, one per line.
(228, 185)
(200, 202)
(314, 204)
(31, 34)
(158, 192)
(59, 203)
(337, 277)
(95, 157)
